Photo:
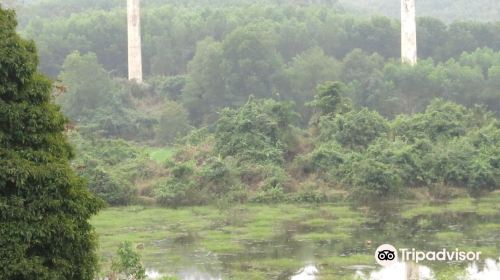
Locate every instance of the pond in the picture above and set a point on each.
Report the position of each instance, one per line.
(305, 241)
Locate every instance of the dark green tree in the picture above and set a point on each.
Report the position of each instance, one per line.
(44, 206)
(328, 102)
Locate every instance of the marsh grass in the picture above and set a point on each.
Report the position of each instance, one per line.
(274, 241)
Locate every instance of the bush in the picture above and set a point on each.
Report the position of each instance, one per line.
(112, 167)
(440, 121)
(408, 161)
(269, 194)
(179, 189)
(214, 179)
(308, 196)
(355, 129)
(112, 190)
(459, 163)
(372, 179)
(323, 159)
(329, 102)
(173, 123)
(127, 264)
(256, 132)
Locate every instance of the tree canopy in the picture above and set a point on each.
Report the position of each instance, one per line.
(44, 206)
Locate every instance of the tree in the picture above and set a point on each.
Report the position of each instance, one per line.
(252, 61)
(306, 71)
(88, 85)
(205, 90)
(173, 123)
(44, 206)
(328, 102)
(127, 265)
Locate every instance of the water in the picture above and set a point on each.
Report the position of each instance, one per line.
(304, 242)
(490, 271)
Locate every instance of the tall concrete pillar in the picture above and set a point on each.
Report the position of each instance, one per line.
(408, 32)
(134, 40)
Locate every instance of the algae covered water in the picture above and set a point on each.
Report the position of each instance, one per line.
(305, 241)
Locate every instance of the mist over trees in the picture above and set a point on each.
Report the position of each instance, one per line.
(240, 95)
(447, 10)
(260, 102)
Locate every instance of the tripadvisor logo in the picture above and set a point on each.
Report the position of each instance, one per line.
(386, 255)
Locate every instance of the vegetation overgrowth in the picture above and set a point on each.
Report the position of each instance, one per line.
(238, 105)
(263, 102)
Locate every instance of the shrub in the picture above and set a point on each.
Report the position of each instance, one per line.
(323, 159)
(355, 129)
(459, 163)
(256, 132)
(269, 194)
(112, 190)
(409, 161)
(112, 167)
(440, 121)
(372, 179)
(329, 102)
(180, 189)
(127, 264)
(173, 123)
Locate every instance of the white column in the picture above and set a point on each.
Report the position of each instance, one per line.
(408, 32)
(134, 40)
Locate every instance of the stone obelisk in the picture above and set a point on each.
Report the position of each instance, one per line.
(408, 32)
(134, 40)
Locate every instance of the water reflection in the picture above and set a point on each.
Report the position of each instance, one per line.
(330, 242)
(490, 271)
(395, 272)
(307, 273)
(191, 274)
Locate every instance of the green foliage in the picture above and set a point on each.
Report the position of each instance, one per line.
(449, 10)
(355, 129)
(127, 264)
(461, 164)
(329, 102)
(115, 191)
(327, 157)
(212, 55)
(205, 90)
(173, 123)
(88, 85)
(169, 87)
(372, 179)
(306, 71)
(178, 190)
(441, 120)
(113, 167)
(44, 205)
(205, 62)
(257, 132)
(190, 185)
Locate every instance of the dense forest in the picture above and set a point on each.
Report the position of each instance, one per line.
(447, 10)
(240, 101)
